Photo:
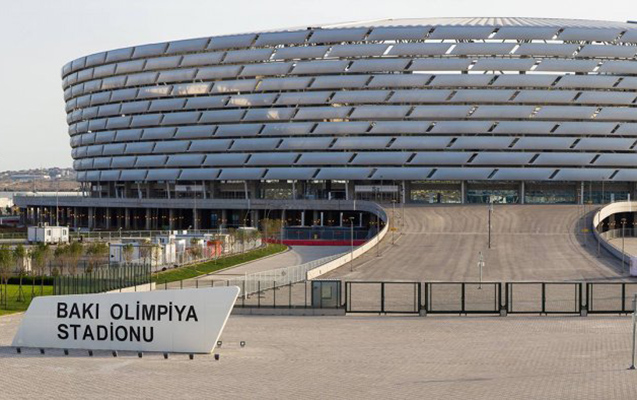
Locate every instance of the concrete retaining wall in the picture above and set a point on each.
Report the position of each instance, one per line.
(339, 262)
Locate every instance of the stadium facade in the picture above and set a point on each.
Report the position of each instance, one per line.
(515, 110)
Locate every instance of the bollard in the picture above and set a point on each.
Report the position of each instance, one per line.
(66, 352)
(219, 343)
(90, 353)
(19, 350)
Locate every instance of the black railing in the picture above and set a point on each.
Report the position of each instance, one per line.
(103, 280)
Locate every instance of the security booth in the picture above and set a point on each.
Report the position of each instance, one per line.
(326, 294)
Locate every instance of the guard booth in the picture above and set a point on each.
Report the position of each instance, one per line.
(326, 294)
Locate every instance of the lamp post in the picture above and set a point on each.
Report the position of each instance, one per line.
(480, 266)
(623, 254)
(489, 223)
(393, 221)
(351, 260)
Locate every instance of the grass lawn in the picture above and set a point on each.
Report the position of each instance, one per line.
(13, 304)
(192, 271)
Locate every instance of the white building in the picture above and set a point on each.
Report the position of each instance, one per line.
(48, 234)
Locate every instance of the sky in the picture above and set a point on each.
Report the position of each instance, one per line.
(39, 36)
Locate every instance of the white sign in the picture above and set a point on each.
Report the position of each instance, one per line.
(182, 321)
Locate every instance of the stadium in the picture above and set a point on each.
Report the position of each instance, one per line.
(302, 123)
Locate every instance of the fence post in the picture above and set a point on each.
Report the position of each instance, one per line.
(305, 284)
(624, 297)
(583, 308)
(544, 298)
(462, 294)
(382, 297)
(290, 295)
(243, 299)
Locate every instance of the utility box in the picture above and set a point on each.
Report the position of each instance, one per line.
(48, 234)
(326, 294)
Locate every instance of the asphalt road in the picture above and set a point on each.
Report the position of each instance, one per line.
(528, 243)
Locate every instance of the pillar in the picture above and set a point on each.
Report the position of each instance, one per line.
(522, 192)
(315, 217)
(149, 219)
(107, 217)
(340, 220)
(303, 218)
(171, 216)
(75, 215)
(91, 218)
(127, 218)
(581, 193)
(463, 192)
(224, 219)
(322, 219)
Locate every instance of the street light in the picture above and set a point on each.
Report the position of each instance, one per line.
(489, 227)
(351, 261)
(623, 254)
(480, 266)
(393, 221)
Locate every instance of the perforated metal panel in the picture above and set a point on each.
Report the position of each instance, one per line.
(499, 99)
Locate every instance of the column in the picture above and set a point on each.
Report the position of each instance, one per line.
(149, 219)
(340, 220)
(107, 217)
(91, 218)
(322, 219)
(463, 192)
(171, 216)
(522, 192)
(127, 218)
(75, 215)
(303, 218)
(315, 217)
(224, 219)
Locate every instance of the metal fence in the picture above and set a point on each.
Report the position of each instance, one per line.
(103, 280)
(257, 282)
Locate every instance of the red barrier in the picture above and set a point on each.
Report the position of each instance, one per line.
(310, 242)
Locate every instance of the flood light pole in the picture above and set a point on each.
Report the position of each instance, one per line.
(489, 223)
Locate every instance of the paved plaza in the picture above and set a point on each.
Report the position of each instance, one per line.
(528, 243)
(357, 357)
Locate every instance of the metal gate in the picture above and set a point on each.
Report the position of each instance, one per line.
(544, 297)
(383, 297)
(463, 297)
(610, 297)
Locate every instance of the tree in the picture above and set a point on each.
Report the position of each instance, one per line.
(6, 262)
(76, 250)
(97, 253)
(61, 254)
(40, 256)
(195, 249)
(127, 252)
(20, 256)
(271, 228)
